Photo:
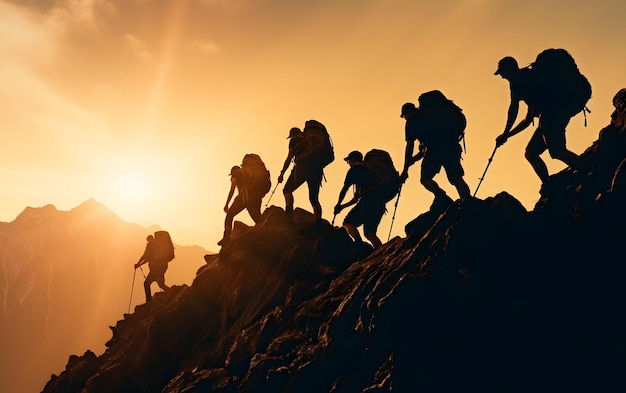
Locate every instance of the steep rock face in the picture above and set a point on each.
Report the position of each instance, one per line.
(484, 295)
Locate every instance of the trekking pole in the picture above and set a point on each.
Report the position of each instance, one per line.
(131, 290)
(394, 212)
(271, 195)
(333, 222)
(485, 172)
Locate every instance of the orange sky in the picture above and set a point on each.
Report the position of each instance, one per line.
(144, 105)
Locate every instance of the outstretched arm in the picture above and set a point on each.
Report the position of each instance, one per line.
(233, 185)
(512, 113)
(342, 194)
(408, 159)
(286, 164)
(143, 259)
(521, 126)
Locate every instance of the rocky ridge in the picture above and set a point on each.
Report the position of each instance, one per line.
(482, 295)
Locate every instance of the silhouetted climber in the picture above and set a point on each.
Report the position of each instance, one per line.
(369, 208)
(311, 150)
(159, 251)
(438, 124)
(554, 91)
(252, 181)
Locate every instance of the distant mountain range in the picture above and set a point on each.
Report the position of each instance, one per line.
(65, 276)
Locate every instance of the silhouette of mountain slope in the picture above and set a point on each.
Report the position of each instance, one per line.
(64, 277)
(485, 295)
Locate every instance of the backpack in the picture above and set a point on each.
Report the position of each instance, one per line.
(317, 147)
(386, 177)
(256, 177)
(164, 248)
(559, 83)
(445, 121)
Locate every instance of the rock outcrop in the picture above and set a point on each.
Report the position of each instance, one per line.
(482, 296)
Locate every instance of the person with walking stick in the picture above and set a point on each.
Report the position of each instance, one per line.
(439, 125)
(369, 207)
(157, 265)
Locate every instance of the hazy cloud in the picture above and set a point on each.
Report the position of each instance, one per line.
(137, 47)
(80, 14)
(205, 46)
(21, 39)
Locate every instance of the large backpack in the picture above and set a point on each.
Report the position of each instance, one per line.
(386, 178)
(444, 120)
(317, 147)
(256, 177)
(164, 248)
(559, 83)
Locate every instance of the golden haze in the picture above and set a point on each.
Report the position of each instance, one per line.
(145, 105)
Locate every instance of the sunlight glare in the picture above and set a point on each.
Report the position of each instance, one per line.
(131, 188)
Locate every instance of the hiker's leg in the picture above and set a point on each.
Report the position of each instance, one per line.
(455, 173)
(288, 202)
(461, 186)
(146, 286)
(161, 281)
(293, 182)
(431, 185)
(314, 193)
(160, 276)
(234, 209)
(374, 239)
(568, 157)
(538, 165)
(536, 146)
(254, 208)
(317, 210)
(373, 213)
(430, 167)
(554, 136)
(353, 219)
(353, 232)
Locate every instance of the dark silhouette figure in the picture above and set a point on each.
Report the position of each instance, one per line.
(158, 267)
(303, 171)
(370, 206)
(438, 125)
(553, 118)
(246, 198)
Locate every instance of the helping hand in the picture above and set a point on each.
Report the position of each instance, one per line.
(338, 209)
(280, 178)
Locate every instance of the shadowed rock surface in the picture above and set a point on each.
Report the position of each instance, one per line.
(484, 296)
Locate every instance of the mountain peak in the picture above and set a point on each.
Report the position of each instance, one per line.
(92, 206)
(36, 213)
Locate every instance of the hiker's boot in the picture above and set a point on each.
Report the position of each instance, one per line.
(441, 202)
(289, 213)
